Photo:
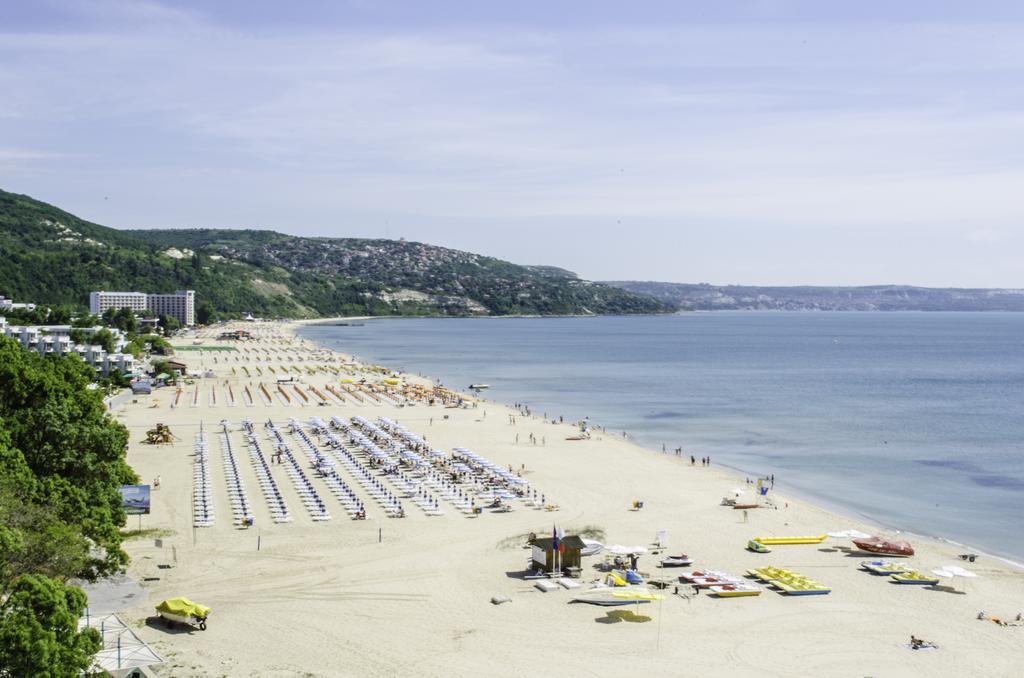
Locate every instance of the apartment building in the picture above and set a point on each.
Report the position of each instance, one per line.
(180, 305)
(44, 342)
(11, 305)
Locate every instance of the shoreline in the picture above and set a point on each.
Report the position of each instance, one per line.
(383, 596)
(736, 472)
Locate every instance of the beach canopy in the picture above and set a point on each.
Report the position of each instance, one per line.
(620, 550)
(184, 607)
(635, 594)
(950, 571)
(849, 534)
(953, 571)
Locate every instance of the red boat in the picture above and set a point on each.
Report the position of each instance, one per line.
(885, 547)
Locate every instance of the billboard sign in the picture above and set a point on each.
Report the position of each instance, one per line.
(135, 499)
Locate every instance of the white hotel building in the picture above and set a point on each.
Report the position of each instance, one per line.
(180, 305)
(54, 340)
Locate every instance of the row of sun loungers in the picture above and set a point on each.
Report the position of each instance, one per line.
(491, 483)
(310, 497)
(362, 475)
(345, 495)
(240, 508)
(402, 481)
(426, 462)
(202, 495)
(275, 502)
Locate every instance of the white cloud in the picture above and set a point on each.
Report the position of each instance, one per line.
(900, 126)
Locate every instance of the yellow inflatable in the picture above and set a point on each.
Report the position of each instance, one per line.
(791, 540)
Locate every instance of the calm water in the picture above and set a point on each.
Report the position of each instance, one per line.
(915, 420)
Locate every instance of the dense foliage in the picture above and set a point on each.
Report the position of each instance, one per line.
(39, 629)
(53, 257)
(61, 462)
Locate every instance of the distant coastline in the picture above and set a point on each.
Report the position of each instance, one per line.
(707, 297)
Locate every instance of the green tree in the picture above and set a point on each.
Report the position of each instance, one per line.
(120, 318)
(169, 323)
(60, 315)
(204, 313)
(125, 321)
(39, 633)
(103, 338)
(60, 450)
(86, 320)
(116, 379)
(78, 335)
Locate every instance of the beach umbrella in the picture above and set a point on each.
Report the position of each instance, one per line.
(952, 571)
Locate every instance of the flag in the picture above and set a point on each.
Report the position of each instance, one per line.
(561, 541)
(555, 545)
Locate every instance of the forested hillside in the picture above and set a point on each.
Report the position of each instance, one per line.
(53, 257)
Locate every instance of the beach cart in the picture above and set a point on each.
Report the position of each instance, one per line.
(183, 611)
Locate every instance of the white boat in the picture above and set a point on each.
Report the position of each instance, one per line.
(479, 387)
(616, 595)
(591, 547)
(677, 561)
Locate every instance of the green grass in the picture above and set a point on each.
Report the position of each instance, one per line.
(146, 533)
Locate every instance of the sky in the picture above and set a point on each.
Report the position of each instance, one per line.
(751, 142)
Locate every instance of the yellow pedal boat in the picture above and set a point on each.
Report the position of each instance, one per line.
(779, 541)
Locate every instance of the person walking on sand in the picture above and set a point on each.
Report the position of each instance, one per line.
(693, 460)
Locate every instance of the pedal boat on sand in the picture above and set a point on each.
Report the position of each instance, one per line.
(681, 560)
(913, 577)
(735, 590)
(704, 579)
(884, 567)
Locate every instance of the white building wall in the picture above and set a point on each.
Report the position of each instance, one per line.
(180, 305)
(31, 339)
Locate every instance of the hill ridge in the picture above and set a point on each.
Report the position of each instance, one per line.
(56, 257)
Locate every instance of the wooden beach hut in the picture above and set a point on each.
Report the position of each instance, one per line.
(544, 554)
(177, 366)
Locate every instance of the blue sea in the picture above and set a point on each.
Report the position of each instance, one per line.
(915, 420)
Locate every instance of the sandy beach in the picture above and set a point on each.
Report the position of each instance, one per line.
(390, 596)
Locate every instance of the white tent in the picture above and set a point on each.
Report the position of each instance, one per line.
(121, 649)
